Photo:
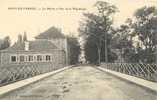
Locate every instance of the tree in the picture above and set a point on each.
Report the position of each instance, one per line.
(145, 27)
(6, 43)
(20, 40)
(97, 31)
(123, 42)
(74, 49)
(25, 36)
(91, 51)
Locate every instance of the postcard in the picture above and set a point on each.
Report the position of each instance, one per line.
(78, 49)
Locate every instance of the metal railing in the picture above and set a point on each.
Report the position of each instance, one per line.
(12, 73)
(145, 71)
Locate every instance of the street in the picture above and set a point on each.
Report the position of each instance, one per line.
(81, 83)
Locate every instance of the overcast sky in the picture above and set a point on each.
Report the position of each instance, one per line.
(14, 22)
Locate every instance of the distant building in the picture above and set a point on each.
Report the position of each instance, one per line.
(43, 50)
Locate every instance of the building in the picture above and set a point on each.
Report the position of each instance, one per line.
(51, 50)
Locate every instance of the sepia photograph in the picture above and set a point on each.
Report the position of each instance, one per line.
(78, 50)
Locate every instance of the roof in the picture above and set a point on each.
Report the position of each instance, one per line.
(37, 45)
(40, 45)
(16, 47)
(51, 33)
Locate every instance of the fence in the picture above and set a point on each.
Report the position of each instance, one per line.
(12, 73)
(145, 71)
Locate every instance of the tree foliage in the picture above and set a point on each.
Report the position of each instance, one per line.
(123, 41)
(97, 29)
(5, 43)
(74, 50)
(145, 27)
(20, 39)
(25, 36)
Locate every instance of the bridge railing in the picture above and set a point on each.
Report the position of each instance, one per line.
(9, 74)
(145, 71)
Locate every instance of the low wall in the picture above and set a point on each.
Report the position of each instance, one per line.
(144, 71)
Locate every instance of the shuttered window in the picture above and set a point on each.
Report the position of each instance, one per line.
(30, 58)
(13, 58)
(22, 58)
(39, 57)
(48, 58)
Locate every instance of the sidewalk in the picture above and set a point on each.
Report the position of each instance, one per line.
(141, 82)
(16, 85)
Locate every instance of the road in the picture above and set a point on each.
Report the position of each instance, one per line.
(81, 83)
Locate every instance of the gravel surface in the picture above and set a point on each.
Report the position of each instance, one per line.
(81, 83)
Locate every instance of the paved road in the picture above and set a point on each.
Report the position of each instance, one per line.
(81, 83)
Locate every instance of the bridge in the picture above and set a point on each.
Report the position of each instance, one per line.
(83, 83)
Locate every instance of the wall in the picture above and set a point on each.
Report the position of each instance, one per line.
(62, 45)
(58, 58)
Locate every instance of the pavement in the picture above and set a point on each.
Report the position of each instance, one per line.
(138, 81)
(81, 83)
(22, 83)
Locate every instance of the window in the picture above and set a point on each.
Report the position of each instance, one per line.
(22, 58)
(30, 58)
(48, 58)
(13, 58)
(39, 58)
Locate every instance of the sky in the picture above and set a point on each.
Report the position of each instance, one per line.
(14, 22)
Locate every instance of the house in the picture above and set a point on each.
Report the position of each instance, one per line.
(48, 48)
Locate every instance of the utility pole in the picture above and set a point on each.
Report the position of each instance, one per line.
(99, 52)
(106, 53)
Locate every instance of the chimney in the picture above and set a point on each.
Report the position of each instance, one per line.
(26, 43)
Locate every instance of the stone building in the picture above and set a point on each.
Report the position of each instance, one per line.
(51, 50)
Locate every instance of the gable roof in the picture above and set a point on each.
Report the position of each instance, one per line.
(51, 33)
(17, 46)
(40, 45)
(37, 45)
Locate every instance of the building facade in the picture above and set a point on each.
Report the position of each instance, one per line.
(41, 51)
